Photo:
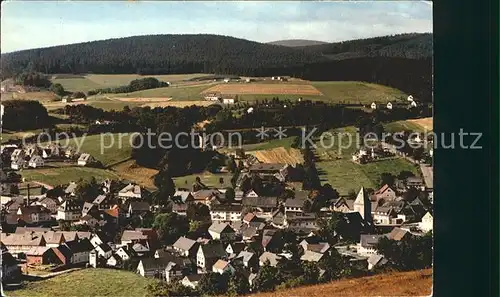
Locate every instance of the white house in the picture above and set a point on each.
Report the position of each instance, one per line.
(389, 105)
(80, 250)
(413, 104)
(226, 80)
(410, 98)
(85, 159)
(373, 105)
(426, 224)
(104, 250)
(17, 164)
(228, 100)
(130, 191)
(69, 210)
(36, 161)
(212, 97)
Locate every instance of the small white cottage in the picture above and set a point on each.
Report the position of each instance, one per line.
(35, 162)
(373, 105)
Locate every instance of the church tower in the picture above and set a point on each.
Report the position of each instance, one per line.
(363, 205)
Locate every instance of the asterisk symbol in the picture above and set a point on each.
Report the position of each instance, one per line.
(280, 132)
(262, 133)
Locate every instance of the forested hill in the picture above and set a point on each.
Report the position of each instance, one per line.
(402, 61)
(159, 54)
(410, 46)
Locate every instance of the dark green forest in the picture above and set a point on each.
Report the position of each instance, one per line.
(400, 61)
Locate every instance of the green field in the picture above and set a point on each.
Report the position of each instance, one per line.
(88, 282)
(357, 92)
(89, 82)
(114, 147)
(174, 92)
(10, 135)
(342, 173)
(210, 180)
(402, 126)
(261, 97)
(64, 175)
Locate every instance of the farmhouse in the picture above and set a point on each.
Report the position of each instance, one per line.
(36, 161)
(385, 193)
(186, 247)
(389, 105)
(85, 159)
(130, 191)
(221, 231)
(212, 97)
(41, 255)
(17, 164)
(427, 222)
(49, 203)
(373, 105)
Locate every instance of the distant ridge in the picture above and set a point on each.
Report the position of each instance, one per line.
(296, 42)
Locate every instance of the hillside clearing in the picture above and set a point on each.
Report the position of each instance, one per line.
(188, 92)
(85, 83)
(107, 148)
(88, 282)
(279, 155)
(64, 175)
(415, 125)
(209, 179)
(129, 170)
(357, 92)
(413, 283)
(261, 88)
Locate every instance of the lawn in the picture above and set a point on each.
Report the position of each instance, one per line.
(88, 282)
(209, 179)
(107, 148)
(64, 175)
(260, 97)
(100, 81)
(174, 92)
(399, 126)
(335, 165)
(357, 92)
(10, 135)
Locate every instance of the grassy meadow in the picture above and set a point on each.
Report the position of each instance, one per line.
(357, 92)
(89, 82)
(64, 175)
(115, 147)
(88, 282)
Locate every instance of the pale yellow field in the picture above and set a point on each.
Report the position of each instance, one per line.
(261, 88)
(426, 123)
(280, 155)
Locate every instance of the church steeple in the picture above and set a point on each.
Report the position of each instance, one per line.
(363, 205)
